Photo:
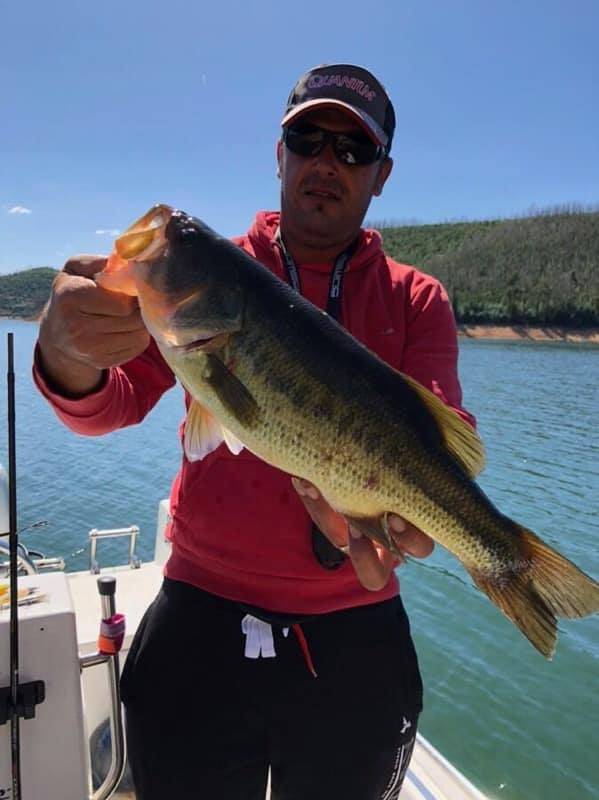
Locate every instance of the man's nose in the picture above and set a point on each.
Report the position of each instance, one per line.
(327, 159)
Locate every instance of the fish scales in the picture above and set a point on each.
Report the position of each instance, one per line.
(291, 435)
(269, 371)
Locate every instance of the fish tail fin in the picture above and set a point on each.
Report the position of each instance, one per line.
(545, 586)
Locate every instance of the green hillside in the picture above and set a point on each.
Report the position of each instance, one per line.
(536, 270)
(541, 270)
(24, 294)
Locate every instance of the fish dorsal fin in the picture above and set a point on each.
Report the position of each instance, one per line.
(203, 433)
(459, 438)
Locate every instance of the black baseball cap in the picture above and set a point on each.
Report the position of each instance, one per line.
(346, 86)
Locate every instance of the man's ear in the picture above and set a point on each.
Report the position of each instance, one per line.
(384, 171)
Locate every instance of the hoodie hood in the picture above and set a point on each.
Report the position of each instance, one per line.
(261, 237)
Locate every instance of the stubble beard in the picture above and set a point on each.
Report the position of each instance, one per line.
(315, 228)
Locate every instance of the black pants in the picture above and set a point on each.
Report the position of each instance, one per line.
(204, 722)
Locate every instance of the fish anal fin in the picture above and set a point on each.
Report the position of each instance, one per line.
(233, 394)
(542, 587)
(460, 439)
(203, 432)
(375, 528)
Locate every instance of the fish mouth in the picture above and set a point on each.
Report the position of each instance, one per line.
(146, 238)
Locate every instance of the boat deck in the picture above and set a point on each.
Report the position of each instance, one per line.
(429, 777)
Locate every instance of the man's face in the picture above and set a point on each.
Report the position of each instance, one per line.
(323, 199)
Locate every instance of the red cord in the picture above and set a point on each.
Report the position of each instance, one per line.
(304, 648)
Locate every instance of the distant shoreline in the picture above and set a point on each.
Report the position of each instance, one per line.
(526, 333)
(529, 333)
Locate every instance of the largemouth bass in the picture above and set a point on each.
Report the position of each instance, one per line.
(269, 371)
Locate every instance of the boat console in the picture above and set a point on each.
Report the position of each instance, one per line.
(54, 757)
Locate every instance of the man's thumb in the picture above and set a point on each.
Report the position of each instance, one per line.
(84, 265)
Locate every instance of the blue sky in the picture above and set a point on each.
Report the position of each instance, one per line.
(110, 107)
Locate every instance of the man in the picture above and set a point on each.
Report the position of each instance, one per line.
(268, 646)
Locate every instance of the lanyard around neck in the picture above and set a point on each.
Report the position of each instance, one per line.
(337, 275)
(327, 555)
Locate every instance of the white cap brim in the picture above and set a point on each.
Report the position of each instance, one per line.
(372, 128)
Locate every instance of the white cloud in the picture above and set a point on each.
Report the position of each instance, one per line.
(108, 232)
(19, 210)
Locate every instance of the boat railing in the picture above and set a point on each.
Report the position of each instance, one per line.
(107, 589)
(29, 562)
(96, 535)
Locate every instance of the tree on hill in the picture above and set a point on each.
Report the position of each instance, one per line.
(540, 270)
(24, 294)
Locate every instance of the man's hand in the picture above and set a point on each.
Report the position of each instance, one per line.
(85, 329)
(373, 564)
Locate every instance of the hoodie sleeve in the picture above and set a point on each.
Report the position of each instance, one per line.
(127, 394)
(431, 349)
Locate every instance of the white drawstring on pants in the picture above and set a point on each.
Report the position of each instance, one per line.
(259, 642)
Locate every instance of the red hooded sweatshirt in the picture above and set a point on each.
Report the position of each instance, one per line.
(238, 528)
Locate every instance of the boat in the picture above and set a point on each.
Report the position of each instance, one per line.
(72, 744)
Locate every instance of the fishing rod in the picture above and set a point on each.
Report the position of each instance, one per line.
(20, 699)
(13, 540)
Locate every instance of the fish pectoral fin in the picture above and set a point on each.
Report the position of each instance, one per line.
(459, 438)
(203, 432)
(375, 528)
(543, 586)
(233, 394)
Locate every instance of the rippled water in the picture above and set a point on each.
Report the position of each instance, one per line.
(520, 727)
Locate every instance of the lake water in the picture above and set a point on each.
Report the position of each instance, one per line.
(521, 728)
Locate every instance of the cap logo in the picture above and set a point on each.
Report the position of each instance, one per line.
(322, 81)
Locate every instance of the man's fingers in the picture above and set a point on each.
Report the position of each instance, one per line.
(85, 265)
(80, 294)
(305, 488)
(397, 524)
(75, 285)
(117, 349)
(373, 565)
(107, 324)
(332, 524)
(410, 539)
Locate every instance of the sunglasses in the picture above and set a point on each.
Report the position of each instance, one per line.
(352, 149)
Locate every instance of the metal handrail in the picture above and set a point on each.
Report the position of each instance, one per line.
(24, 560)
(113, 533)
(117, 762)
(31, 562)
